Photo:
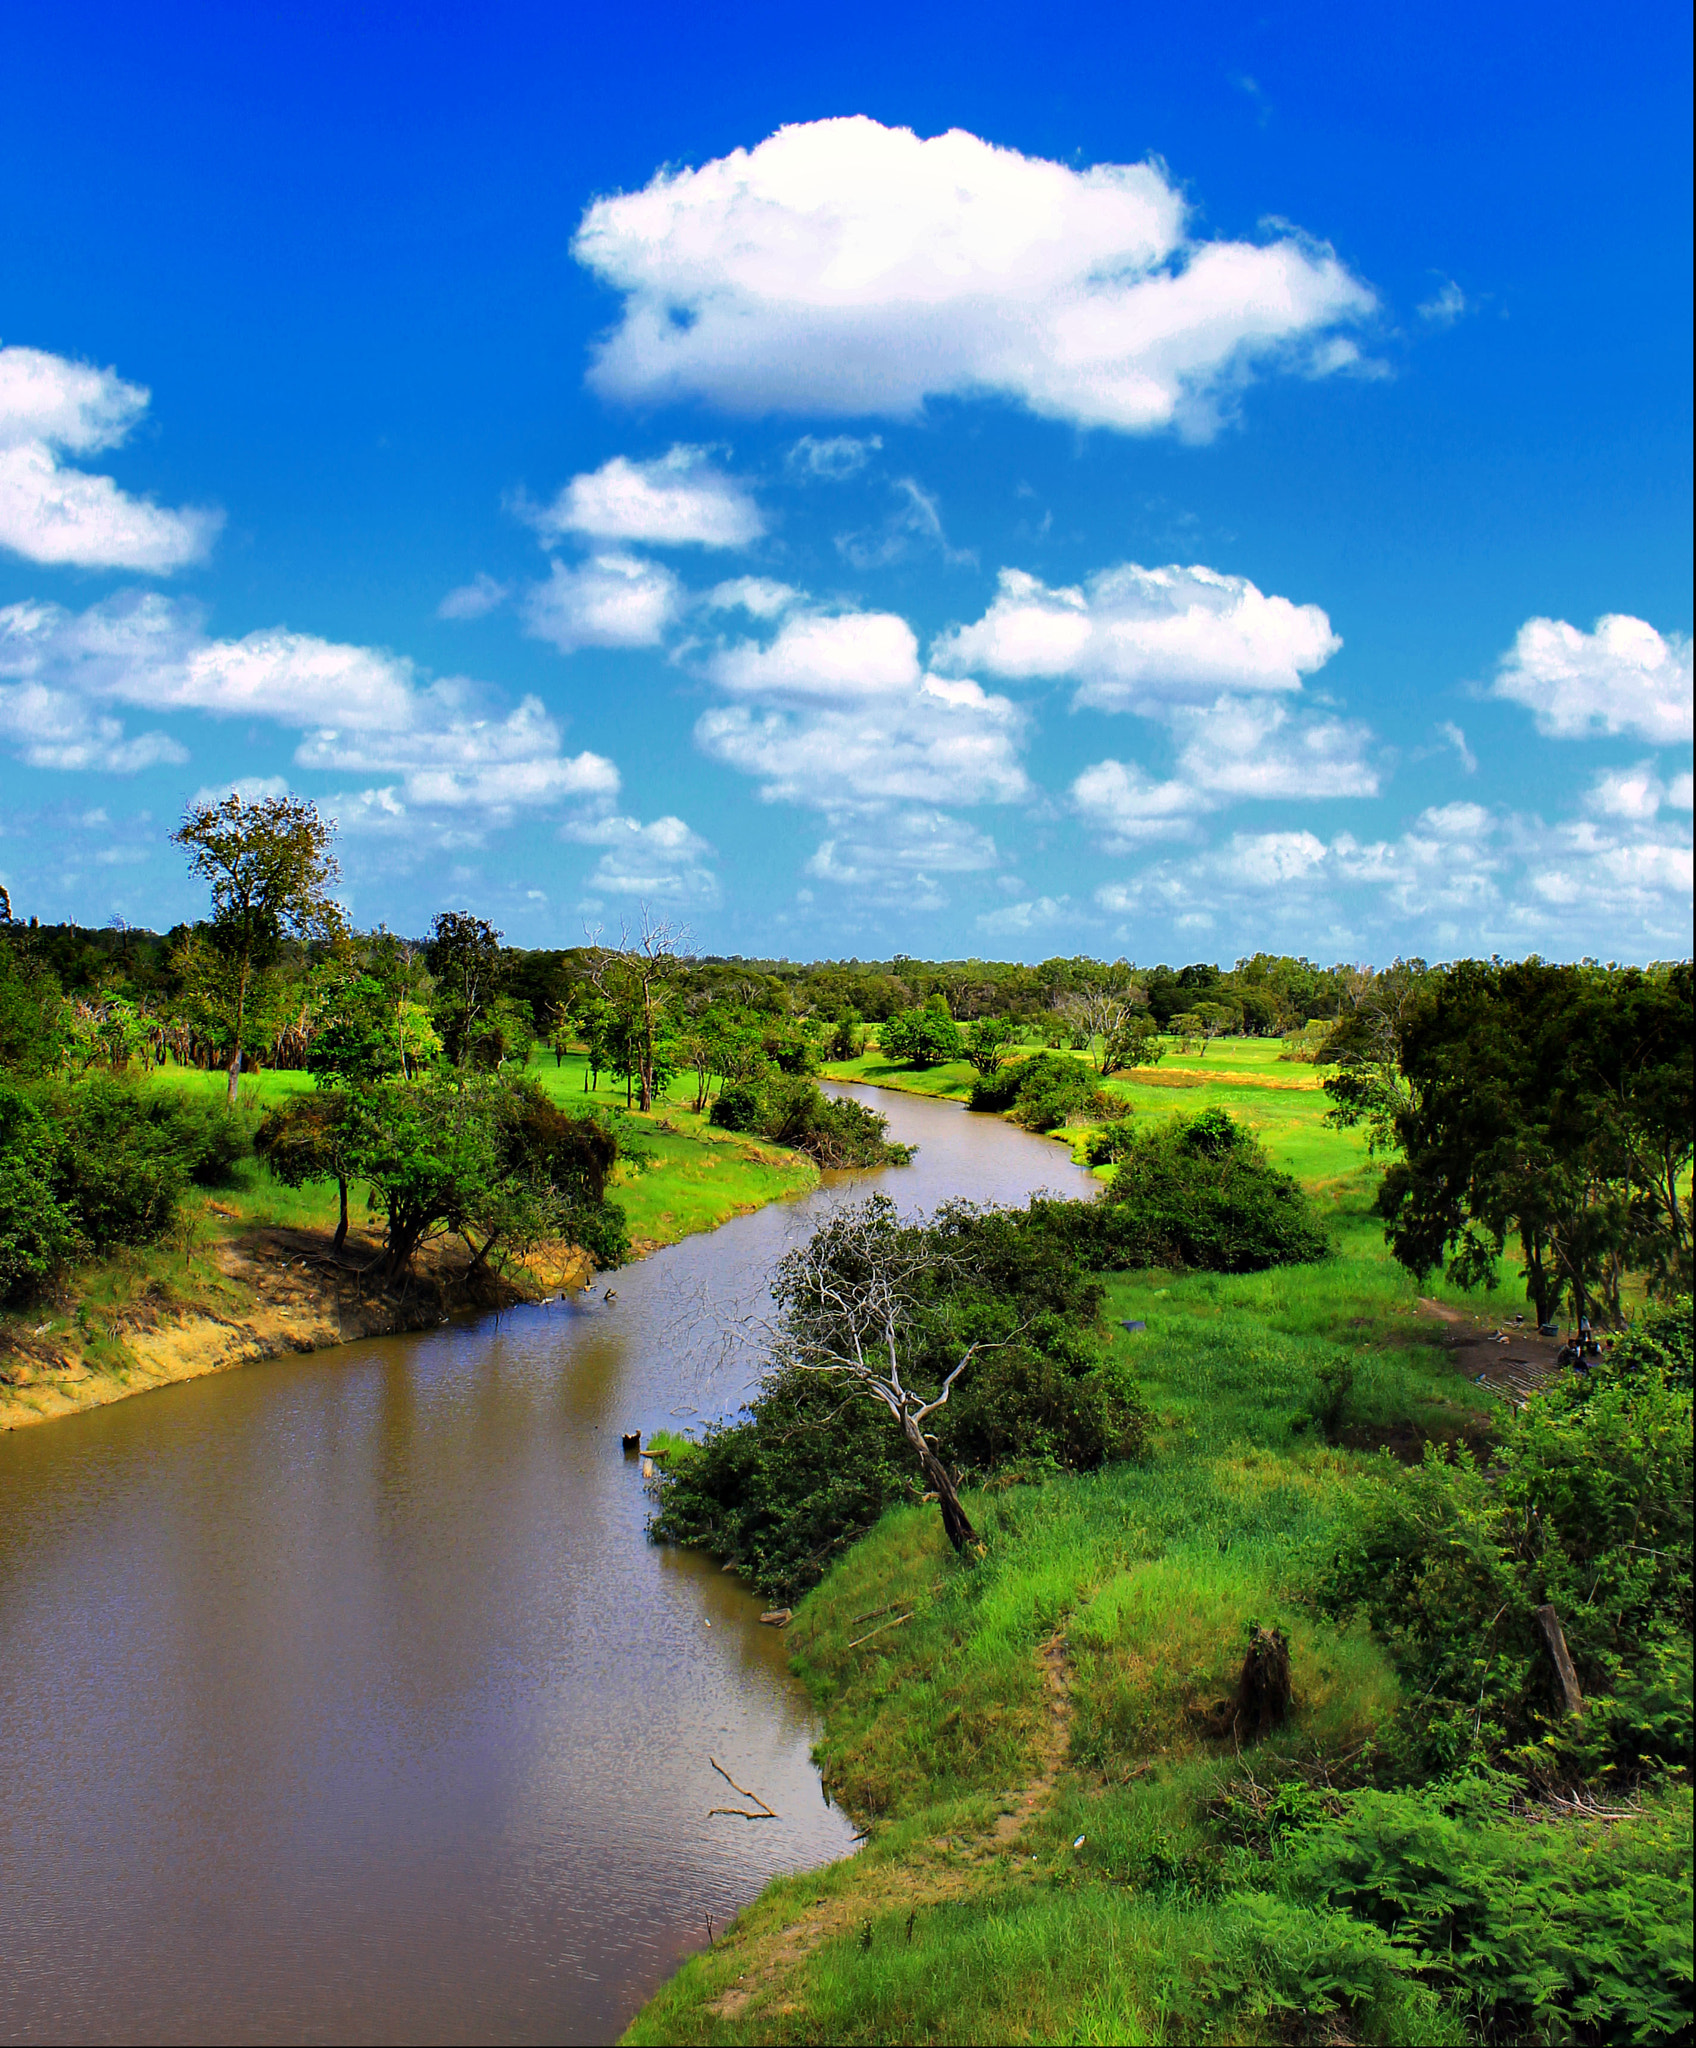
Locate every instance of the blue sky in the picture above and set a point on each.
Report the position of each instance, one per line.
(946, 481)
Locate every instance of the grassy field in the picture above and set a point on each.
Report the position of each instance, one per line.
(1034, 1741)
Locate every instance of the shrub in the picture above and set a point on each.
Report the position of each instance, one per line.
(1111, 1143)
(1041, 1093)
(1199, 1192)
(923, 1037)
(37, 1231)
(127, 1152)
(790, 1110)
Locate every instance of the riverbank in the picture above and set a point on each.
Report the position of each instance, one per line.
(251, 1274)
(1040, 1745)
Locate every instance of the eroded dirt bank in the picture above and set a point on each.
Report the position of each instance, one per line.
(272, 1291)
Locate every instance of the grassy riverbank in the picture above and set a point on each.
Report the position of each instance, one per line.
(237, 1284)
(1066, 1841)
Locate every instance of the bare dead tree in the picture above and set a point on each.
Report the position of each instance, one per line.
(857, 1303)
(638, 978)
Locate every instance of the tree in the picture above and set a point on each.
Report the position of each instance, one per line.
(856, 1304)
(1367, 1085)
(1100, 1013)
(638, 978)
(988, 1042)
(464, 956)
(269, 867)
(922, 1037)
(1136, 1043)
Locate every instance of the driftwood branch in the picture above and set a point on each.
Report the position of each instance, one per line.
(736, 1812)
(882, 1625)
(1554, 1638)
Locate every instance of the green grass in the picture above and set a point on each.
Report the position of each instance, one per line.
(1152, 1573)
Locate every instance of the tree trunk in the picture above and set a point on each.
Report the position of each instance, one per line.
(341, 1227)
(1554, 1640)
(955, 1521)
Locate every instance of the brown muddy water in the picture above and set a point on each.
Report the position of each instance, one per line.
(343, 1698)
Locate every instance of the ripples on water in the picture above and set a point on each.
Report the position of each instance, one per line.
(345, 1700)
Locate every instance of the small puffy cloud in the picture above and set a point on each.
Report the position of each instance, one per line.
(1622, 678)
(49, 407)
(611, 600)
(678, 500)
(923, 841)
(474, 600)
(760, 596)
(1040, 913)
(51, 728)
(1445, 305)
(1270, 860)
(1140, 639)
(940, 743)
(1127, 808)
(834, 457)
(842, 267)
(832, 659)
(1637, 793)
(661, 863)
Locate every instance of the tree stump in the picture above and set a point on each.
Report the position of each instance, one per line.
(1263, 1690)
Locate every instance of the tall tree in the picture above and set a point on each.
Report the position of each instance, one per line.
(269, 867)
(464, 956)
(639, 978)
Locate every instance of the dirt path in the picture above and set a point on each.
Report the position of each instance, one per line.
(915, 1883)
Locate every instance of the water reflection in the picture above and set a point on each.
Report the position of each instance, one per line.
(346, 1700)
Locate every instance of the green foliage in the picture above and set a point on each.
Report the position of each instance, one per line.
(1529, 1931)
(1111, 1143)
(1589, 1510)
(1198, 1192)
(38, 1232)
(810, 1466)
(31, 1008)
(1042, 1093)
(790, 1110)
(922, 1037)
(988, 1042)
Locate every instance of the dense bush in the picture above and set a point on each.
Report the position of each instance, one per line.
(37, 1231)
(1588, 1508)
(809, 1467)
(790, 1110)
(1042, 1093)
(102, 1164)
(1196, 1192)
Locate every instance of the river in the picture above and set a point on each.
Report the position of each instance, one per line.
(344, 1699)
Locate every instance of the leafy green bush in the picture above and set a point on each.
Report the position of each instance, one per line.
(1112, 1143)
(1530, 1927)
(1041, 1093)
(1588, 1510)
(127, 1153)
(38, 1233)
(791, 1110)
(1198, 1192)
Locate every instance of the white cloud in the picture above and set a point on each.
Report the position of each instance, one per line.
(611, 600)
(1143, 639)
(361, 710)
(661, 863)
(1041, 913)
(474, 600)
(921, 841)
(677, 500)
(834, 457)
(1622, 678)
(1127, 808)
(1453, 735)
(1635, 793)
(914, 523)
(1445, 305)
(834, 659)
(760, 596)
(842, 267)
(941, 743)
(50, 406)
